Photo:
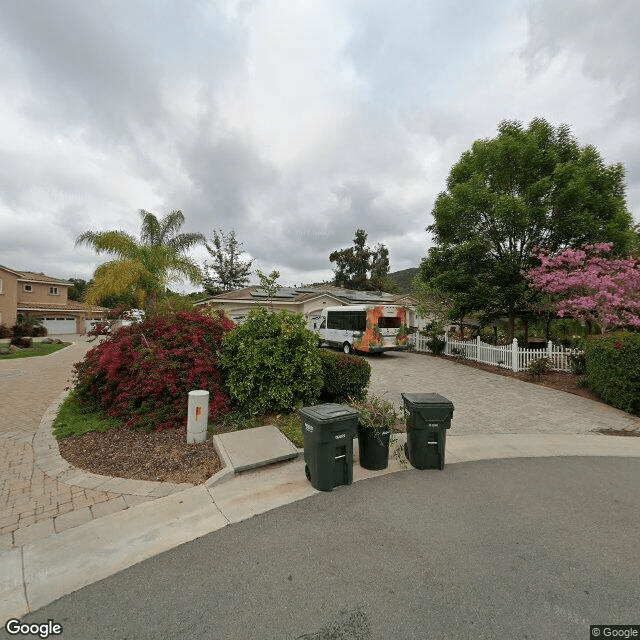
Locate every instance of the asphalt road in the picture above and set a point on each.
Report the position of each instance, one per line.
(525, 548)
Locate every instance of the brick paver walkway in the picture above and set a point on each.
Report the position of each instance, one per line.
(33, 503)
(489, 403)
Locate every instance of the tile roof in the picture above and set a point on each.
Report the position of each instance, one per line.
(301, 294)
(40, 277)
(54, 306)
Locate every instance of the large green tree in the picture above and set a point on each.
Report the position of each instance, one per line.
(227, 271)
(360, 267)
(525, 188)
(143, 267)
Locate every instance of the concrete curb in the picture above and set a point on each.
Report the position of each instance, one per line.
(42, 571)
(227, 472)
(47, 458)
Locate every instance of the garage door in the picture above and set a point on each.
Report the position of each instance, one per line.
(59, 325)
(89, 324)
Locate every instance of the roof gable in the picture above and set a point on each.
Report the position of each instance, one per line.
(31, 276)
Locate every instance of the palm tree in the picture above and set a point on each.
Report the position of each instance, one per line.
(144, 267)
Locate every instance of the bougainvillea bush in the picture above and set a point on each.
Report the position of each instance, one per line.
(143, 373)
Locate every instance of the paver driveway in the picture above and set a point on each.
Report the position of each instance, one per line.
(489, 403)
(33, 504)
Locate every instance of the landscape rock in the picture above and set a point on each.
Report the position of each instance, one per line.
(5, 351)
(47, 341)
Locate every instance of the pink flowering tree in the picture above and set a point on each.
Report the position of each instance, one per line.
(593, 287)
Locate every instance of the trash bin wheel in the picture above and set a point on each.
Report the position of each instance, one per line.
(346, 347)
(307, 472)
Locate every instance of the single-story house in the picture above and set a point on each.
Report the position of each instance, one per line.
(309, 301)
(25, 293)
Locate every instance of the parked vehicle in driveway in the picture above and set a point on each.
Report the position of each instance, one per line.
(366, 328)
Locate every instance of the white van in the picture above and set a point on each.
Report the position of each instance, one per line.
(364, 327)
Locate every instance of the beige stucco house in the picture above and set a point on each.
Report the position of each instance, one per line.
(25, 293)
(309, 301)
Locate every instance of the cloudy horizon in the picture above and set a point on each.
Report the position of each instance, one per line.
(291, 122)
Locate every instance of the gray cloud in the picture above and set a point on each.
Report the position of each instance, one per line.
(294, 123)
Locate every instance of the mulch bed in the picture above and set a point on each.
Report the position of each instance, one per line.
(166, 457)
(161, 456)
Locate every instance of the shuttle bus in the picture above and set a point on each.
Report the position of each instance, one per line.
(364, 327)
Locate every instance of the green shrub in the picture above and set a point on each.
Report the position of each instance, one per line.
(271, 363)
(376, 414)
(436, 345)
(578, 363)
(613, 369)
(345, 376)
(539, 367)
(22, 342)
(5, 332)
(29, 326)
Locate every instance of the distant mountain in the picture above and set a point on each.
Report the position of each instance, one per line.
(404, 278)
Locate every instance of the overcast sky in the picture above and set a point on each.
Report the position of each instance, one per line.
(293, 122)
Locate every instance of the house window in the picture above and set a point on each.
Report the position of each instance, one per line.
(27, 288)
(53, 291)
(1, 286)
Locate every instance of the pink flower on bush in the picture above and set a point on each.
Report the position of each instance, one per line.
(594, 287)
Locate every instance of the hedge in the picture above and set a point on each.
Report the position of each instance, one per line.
(270, 363)
(613, 369)
(345, 376)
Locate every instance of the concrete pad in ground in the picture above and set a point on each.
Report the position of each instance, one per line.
(35, 531)
(252, 448)
(13, 603)
(258, 491)
(110, 544)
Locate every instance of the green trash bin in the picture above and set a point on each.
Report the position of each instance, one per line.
(428, 416)
(328, 431)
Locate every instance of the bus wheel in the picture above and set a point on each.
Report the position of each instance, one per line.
(346, 347)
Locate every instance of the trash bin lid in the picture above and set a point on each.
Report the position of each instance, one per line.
(422, 400)
(329, 413)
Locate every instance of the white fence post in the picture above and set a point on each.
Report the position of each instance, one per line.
(478, 349)
(514, 355)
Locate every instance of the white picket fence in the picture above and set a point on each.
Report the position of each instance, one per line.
(508, 356)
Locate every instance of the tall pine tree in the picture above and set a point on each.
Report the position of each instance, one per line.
(360, 267)
(227, 272)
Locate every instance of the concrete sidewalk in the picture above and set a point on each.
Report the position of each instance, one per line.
(42, 571)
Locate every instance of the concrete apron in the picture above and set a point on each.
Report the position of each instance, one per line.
(42, 571)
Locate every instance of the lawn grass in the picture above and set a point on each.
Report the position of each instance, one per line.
(73, 420)
(288, 423)
(37, 349)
